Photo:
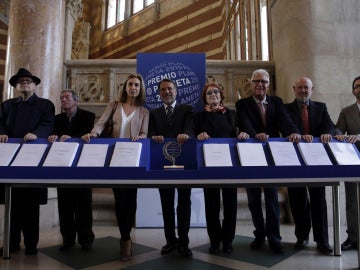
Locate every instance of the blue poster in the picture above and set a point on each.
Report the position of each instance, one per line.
(187, 70)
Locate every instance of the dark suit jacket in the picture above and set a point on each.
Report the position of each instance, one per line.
(319, 118)
(277, 119)
(183, 122)
(17, 117)
(82, 122)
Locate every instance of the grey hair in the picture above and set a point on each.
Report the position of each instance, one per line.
(73, 93)
(260, 71)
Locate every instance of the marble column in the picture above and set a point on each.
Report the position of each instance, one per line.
(319, 39)
(36, 42)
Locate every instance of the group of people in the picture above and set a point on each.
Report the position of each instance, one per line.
(259, 116)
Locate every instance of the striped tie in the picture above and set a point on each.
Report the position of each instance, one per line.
(170, 115)
(305, 119)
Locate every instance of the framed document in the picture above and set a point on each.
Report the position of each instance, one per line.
(314, 154)
(126, 154)
(284, 154)
(61, 154)
(251, 154)
(344, 153)
(93, 155)
(217, 155)
(7, 151)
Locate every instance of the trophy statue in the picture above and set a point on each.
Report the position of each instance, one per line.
(171, 150)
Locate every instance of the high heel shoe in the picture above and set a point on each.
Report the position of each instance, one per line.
(125, 250)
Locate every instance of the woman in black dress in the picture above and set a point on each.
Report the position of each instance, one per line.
(217, 121)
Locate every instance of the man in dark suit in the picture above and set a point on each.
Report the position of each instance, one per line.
(263, 116)
(28, 117)
(348, 129)
(74, 204)
(173, 120)
(312, 119)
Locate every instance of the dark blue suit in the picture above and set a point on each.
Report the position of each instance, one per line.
(75, 204)
(314, 211)
(250, 121)
(159, 126)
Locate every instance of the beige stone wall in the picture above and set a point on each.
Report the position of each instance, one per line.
(319, 39)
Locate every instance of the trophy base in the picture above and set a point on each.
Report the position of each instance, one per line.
(173, 167)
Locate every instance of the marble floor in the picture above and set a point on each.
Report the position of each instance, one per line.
(153, 238)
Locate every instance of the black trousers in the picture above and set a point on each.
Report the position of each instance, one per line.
(218, 232)
(125, 208)
(307, 213)
(183, 211)
(75, 214)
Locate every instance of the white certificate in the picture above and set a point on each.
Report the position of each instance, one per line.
(251, 154)
(217, 155)
(29, 155)
(61, 154)
(314, 154)
(7, 151)
(284, 154)
(344, 153)
(126, 154)
(93, 155)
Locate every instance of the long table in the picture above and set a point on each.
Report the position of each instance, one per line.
(150, 173)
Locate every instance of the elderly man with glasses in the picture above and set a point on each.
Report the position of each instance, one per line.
(263, 116)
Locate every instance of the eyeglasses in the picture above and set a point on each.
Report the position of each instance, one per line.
(215, 91)
(27, 81)
(260, 81)
(356, 86)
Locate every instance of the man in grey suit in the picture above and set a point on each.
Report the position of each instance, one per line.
(348, 129)
(173, 120)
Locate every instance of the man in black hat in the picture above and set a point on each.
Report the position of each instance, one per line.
(29, 117)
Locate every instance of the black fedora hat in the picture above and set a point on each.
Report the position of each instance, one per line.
(22, 72)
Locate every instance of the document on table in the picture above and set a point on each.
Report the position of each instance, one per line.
(93, 155)
(217, 155)
(126, 154)
(7, 151)
(61, 154)
(314, 154)
(29, 155)
(284, 154)
(251, 154)
(344, 153)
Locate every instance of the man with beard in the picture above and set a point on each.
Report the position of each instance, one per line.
(28, 117)
(173, 120)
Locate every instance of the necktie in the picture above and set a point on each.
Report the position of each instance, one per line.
(169, 115)
(262, 112)
(305, 119)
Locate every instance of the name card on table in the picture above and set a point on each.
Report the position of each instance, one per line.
(93, 155)
(284, 154)
(7, 151)
(314, 154)
(344, 153)
(217, 155)
(126, 154)
(61, 154)
(251, 154)
(29, 155)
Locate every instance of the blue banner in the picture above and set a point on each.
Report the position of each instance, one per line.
(187, 70)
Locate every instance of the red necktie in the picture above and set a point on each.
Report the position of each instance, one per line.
(305, 119)
(262, 112)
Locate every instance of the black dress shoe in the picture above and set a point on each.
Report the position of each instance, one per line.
(168, 248)
(324, 248)
(257, 243)
(66, 247)
(184, 251)
(31, 251)
(276, 247)
(348, 245)
(214, 249)
(301, 244)
(86, 247)
(227, 249)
